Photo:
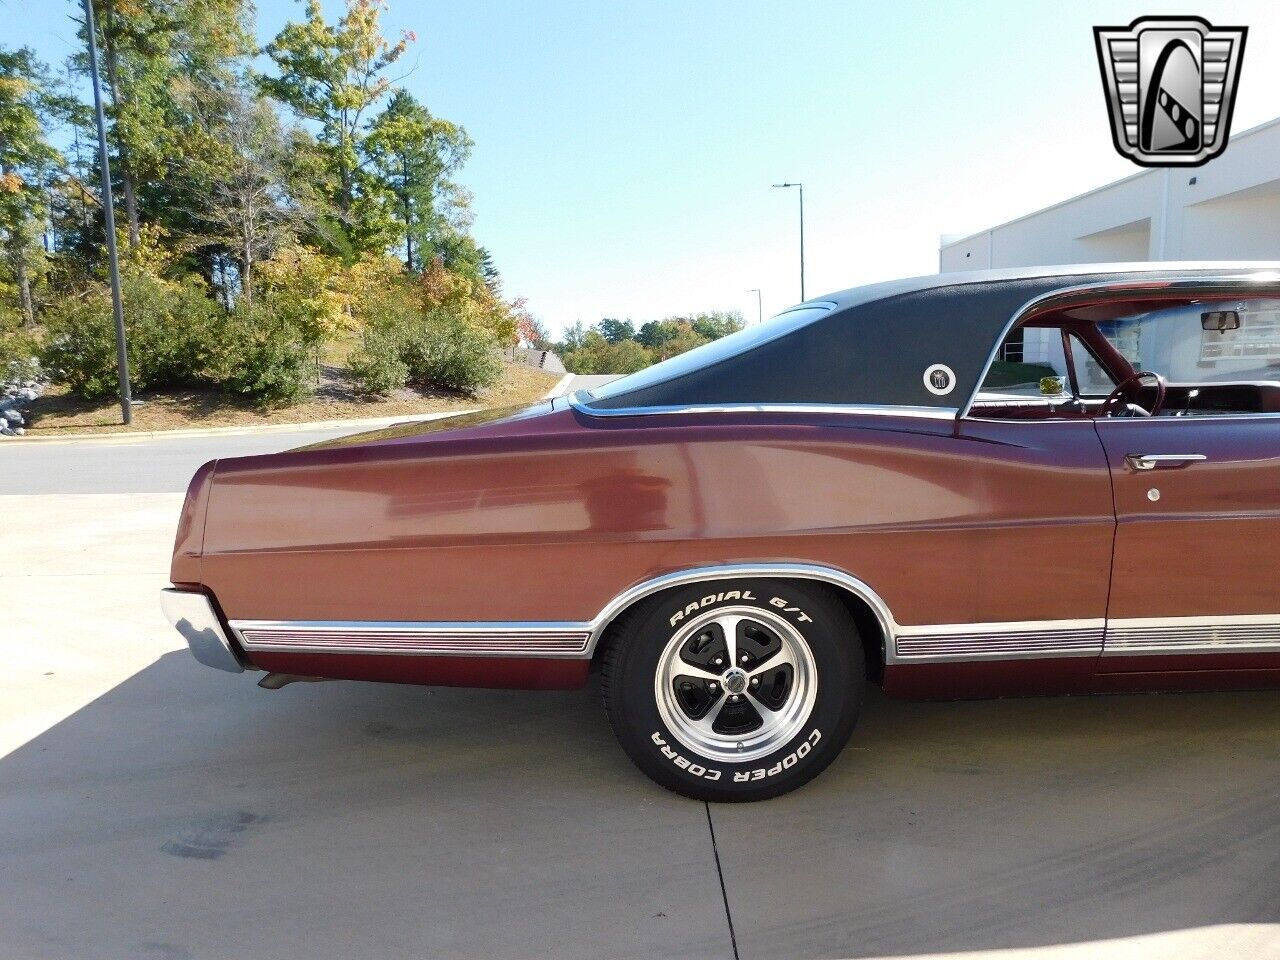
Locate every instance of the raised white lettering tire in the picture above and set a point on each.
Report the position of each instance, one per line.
(734, 690)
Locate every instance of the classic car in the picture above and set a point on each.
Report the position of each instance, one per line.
(1035, 481)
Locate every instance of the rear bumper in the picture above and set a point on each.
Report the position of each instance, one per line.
(193, 616)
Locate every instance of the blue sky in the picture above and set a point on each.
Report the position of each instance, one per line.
(624, 151)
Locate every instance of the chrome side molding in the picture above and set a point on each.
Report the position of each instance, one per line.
(410, 638)
(1011, 640)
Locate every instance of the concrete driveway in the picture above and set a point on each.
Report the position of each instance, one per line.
(152, 807)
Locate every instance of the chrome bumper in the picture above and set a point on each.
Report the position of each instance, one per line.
(193, 616)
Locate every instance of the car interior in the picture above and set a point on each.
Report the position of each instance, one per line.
(1138, 358)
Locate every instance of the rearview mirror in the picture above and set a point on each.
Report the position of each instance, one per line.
(1220, 320)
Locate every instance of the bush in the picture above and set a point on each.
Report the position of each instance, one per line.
(80, 345)
(444, 350)
(376, 366)
(262, 358)
(18, 349)
(169, 329)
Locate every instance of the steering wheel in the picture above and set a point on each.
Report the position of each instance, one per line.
(1111, 406)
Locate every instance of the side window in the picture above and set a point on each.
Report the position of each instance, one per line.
(1092, 377)
(1028, 356)
(1175, 343)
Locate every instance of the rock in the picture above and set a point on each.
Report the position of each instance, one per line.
(13, 417)
(8, 403)
(28, 394)
(19, 431)
(6, 431)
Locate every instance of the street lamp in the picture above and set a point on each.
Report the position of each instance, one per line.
(801, 186)
(109, 219)
(759, 305)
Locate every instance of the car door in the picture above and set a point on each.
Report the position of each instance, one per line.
(1195, 582)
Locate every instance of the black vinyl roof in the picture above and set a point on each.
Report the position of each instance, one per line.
(873, 344)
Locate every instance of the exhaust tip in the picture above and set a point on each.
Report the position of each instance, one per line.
(274, 681)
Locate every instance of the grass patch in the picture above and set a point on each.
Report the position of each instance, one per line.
(61, 412)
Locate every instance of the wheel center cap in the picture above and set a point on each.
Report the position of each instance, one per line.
(735, 681)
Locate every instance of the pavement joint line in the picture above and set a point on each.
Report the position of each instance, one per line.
(724, 894)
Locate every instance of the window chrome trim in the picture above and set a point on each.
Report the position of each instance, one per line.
(1227, 283)
(852, 409)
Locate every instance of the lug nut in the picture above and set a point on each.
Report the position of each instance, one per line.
(719, 661)
(745, 658)
(755, 681)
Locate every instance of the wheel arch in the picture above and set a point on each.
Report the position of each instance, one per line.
(876, 626)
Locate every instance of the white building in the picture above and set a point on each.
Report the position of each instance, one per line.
(1229, 209)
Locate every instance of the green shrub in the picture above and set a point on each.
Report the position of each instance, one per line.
(444, 350)
(18, 349)
(169, 328)
(80, 346)
(376, 366)
(262, 358)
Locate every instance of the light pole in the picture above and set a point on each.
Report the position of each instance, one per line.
(759, 305)
(801, 186)
(109, 219)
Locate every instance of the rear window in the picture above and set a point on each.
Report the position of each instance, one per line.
(712, 353)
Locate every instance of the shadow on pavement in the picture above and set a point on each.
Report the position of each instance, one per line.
(189, 814)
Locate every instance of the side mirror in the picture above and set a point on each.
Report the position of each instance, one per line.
(1220, 320)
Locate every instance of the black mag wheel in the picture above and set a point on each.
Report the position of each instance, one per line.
(734, 689)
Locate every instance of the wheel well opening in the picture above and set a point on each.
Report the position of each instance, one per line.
(870, 632)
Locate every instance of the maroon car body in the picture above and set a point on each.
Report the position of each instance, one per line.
(985, 541)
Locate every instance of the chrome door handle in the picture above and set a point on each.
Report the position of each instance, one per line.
(1153, 461)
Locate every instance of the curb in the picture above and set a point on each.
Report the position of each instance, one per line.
(370, 423)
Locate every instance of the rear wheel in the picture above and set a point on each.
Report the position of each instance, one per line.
(734, 689)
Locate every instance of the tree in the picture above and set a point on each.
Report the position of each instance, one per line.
(410, 155)
(596, 355)
(615, 331)
(333, 76)
(248, 207)
(28, 104)
(154, 55)
(716, 323)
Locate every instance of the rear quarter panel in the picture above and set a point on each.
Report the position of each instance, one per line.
(553, 522)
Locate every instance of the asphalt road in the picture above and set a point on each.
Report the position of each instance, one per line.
(152, 807)
(149, 465)
(141, 465)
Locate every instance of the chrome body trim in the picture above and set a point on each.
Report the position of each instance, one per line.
(1162, 284)
(1008, 640)
(738, 571)
(193, 616)
(566, 639)
(408, 638)
(852, 409)
(1148, 636)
